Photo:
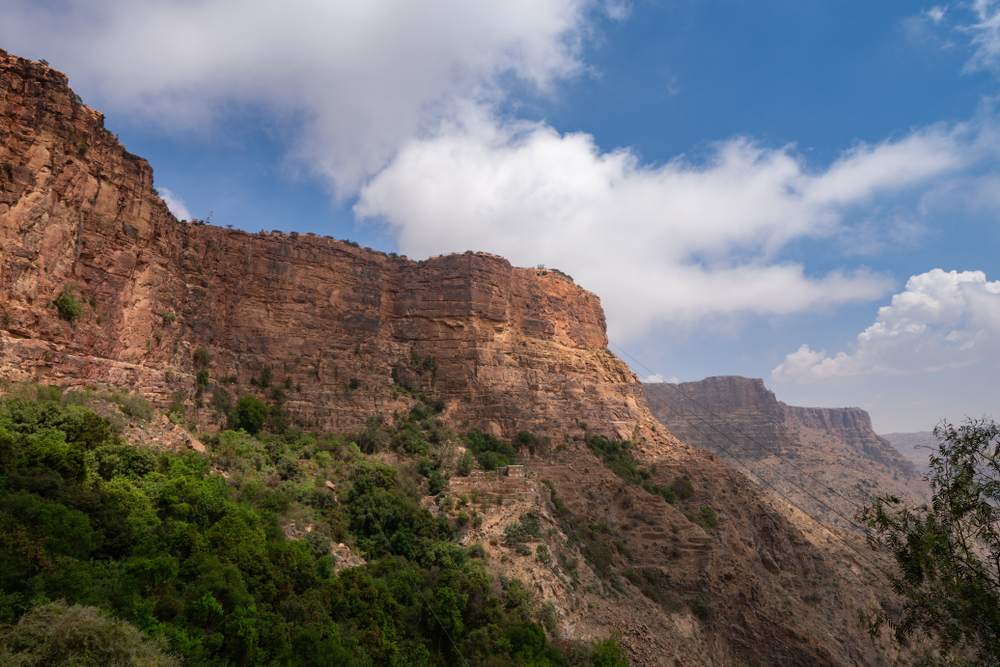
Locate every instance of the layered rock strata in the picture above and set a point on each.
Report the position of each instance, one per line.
(827, 461)
(336, 333)
(341, 328)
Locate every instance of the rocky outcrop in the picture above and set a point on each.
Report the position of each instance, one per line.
(739, 415)
(827, 461)
(338, 330)
(852, 427)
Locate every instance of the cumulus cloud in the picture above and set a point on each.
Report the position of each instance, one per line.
(942, 320)
(676, 241)
(359, 77)
(175, 204)
(657, 378)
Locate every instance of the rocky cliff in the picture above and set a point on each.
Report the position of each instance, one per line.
(341, 328)
(100, 284)
(826, 460)
(694, 411)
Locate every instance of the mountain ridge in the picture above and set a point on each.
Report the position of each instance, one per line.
(333, 335)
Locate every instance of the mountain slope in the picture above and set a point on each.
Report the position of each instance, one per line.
(100, 284)
(827, 461)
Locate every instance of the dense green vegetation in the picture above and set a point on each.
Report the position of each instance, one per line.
(102, 539)
(489, 452)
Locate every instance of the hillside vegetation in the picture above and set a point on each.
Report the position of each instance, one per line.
(186, 556)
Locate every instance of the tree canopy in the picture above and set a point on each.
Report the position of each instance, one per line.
(947, 552)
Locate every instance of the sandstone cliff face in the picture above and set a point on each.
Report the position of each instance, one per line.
(343, 328)
(826, 460)
(853, 428)
(751, 415)
(514, 348)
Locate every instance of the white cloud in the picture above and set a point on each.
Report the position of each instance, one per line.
(360, 77)
(936, 13)
(175, 204)
(985, 33)
(656, 377)
(676, 241)
(942, 320)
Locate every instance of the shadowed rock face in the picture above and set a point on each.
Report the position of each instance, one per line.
(507, 348)
(736, 413)
(826, 460)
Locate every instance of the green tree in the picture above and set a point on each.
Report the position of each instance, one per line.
(249, 414)
(947, 552)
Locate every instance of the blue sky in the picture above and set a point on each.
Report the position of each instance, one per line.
(804, 192)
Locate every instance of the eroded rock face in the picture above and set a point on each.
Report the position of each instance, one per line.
(829, 461)
(340, 327)
(342, 331)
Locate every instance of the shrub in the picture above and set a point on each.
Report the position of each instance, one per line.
(168, 317)
(462, 518)
(134, 405)
(221, 401)
(202, 378)
(708, 518)
(476, 550)
(701, 610)
(93, 303)
(466, 464)
(67, 305)
(159, 336)
(249, 414)
(202, 356)
(319, 544)
(522, 550)
(58, 634)
(542, 553)
(528, 526)
(683, 487)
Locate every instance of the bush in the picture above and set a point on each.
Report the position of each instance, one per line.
(701, 610)
(683, 488)
(57, 634)
(249, 414)
(202, 378)
(168, 317)
(222, 400)
(67, 305)
(202, 357)
(466, 464)
(134, 405)
(522, 550)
